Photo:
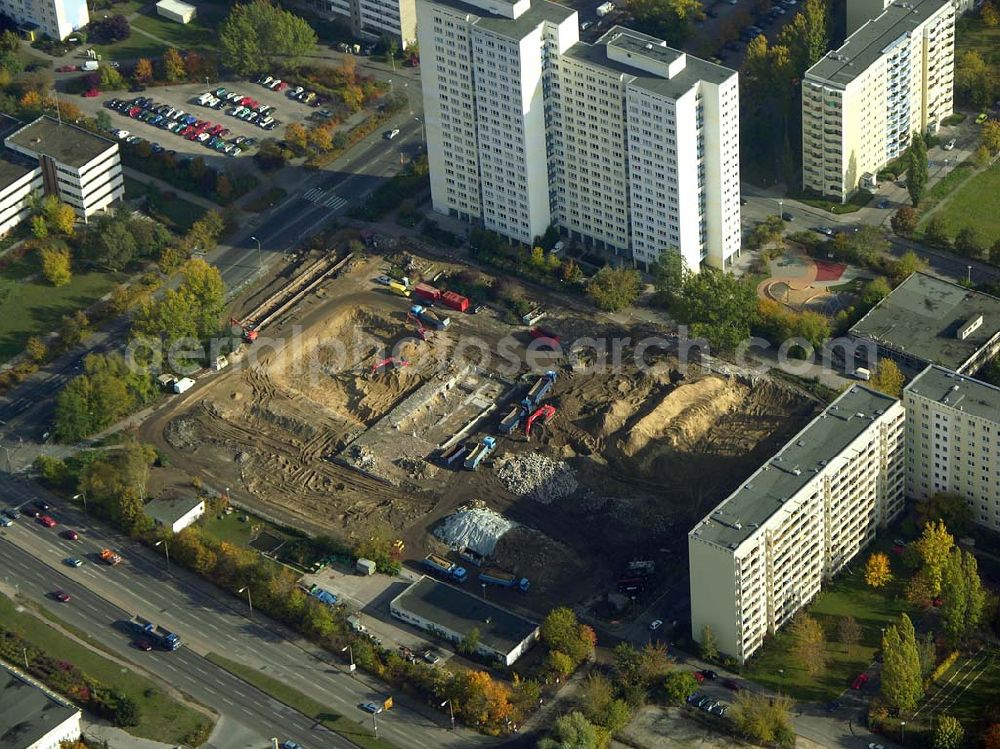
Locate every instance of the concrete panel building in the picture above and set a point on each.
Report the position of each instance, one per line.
(953, 441)
(371, 18)
(83, 169)
(764, 552)
(893, 76)
(640, 140)
(175, 10)
(175, 514)
(928, 320)
(448, 612)
(54, 18)
(31, 716)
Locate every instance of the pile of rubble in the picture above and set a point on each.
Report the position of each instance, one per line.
(537, 477)
(475, 526)
(362, 458)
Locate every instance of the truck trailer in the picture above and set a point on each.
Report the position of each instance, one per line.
(504, 579)
(540, 389)
(479, 453)
(457, 302)
(454, 454)
(428, 317)
(426, 292)
(446, 567)
(509, 422)
(154, 632)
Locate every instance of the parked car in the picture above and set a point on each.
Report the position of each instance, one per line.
(981, 118)
(883, 204)
(289, 744)
(432, 657)
(731, 684)
(786, 216)
(5, 522)
(949, 146)
(825, 231)
(709, 674)
(699, 677)
(10, 512)
(655, 625)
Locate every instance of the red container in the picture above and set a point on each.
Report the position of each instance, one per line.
(455, 301)
(429, 293)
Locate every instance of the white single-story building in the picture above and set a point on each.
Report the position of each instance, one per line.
(448, 612)
(175, 10)
(175, 514)
(32, 717)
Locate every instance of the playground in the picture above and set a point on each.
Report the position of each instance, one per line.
(804, 283)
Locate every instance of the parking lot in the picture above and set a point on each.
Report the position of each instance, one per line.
(183, 99)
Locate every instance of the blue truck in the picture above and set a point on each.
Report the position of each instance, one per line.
(454, 454)
(446, 567)
(154, 633)
(430, 318)
(510, 422)
(322, 594)
(479, 453)
(539, 390)
(504, 579)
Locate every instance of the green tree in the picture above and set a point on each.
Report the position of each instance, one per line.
(39, 229)
(10, 49)
(717, 306)
(257, 35)
(709, 647)
(670, 20)
(74, 328)
(111, 79)
(103, 121)
(614, 289)
(808, 643)
(875, 291)
(572, 731)
(904, 220)
(596, 697)
(916, 169)
(627, 665)
(60, 217)
(617, 717)
(934, 546)
(948, 507)
(173, 65)
(561, 631)
(963, 598)
(902, 686)
(936, 232)
(558, 663)
(126, 711)
(36, 349)
(807, 36)
(887, 378)
(990, 136)
(56, 265)
(849, 632)
(470, 643)
(763, 719)
(909, 262)
(948, 732)
(868, 243)
(679, 685)
(968, 242)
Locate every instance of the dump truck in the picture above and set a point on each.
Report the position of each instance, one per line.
(509, 422)
(446, 567)
(426, 292)
(454, 454)
(155, 633)
(479, 453)
(540, 389)
(399, 288)
(428, 317)
(323, 595)
(110, 557)
(504, 579)
(457, 302)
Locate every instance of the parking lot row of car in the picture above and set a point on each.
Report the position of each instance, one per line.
(244, 108)
(179, 122)
(709, 705)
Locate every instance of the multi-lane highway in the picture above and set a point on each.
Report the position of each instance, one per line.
(208, 621)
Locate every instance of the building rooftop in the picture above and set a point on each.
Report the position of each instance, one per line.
(641, 45)
(924, 316)
(175, 5)
(13, 166)
(66, 143)
(460, 612)
(512, 28)
(27, 712)
(739, 516)
(866, 45)
(169, 511)
(958, 391)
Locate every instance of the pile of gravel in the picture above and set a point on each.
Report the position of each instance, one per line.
(537, 477)
(474, 526)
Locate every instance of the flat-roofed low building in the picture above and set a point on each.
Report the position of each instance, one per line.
(175, 10)
(764, 552)
(953, 441)
(927, 320)
(20, 181)
(81, 168)
(451, 613)
(32, 717)
(177, 513)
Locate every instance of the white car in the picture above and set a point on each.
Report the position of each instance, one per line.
(873, 745)
(122, 134)
(296, 91)
(384, 280)
(390, 134)
(266, 80)
(236, 152)
(949, 146)
(655, 625)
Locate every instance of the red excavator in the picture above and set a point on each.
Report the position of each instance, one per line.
(424, 333)
(543, 414)
(393, 360)
(249, 334)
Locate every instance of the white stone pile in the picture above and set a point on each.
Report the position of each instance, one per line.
(537, 477)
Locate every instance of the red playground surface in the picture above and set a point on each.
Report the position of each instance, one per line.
(827, 271)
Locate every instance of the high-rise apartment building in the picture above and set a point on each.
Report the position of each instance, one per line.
(626, 145)
(862, 102)
(55, 18)
(371, 18)
(953, 441)
(764, 552)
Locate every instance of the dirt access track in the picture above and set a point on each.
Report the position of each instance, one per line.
(651, 451)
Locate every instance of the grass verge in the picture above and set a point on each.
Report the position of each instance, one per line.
(267, 200)
(174, 211)
(186, 36)
(975, 204)
(353, 732)
(161, 718)
(775, 665)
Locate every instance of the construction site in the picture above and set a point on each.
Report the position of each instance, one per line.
(355, 406)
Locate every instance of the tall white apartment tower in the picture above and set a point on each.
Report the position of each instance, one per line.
(861, 103)
(626, 145)
(764, 552)
(953, 441)
(55, 18)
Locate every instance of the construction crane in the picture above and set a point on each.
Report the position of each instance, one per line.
(424, 333)
(393, 360)
(542, 415)
(249, 334)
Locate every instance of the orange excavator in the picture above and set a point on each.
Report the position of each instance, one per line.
(393, 360)
(543, 414)
(249, 334)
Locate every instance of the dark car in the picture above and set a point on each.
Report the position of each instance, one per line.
(43, 506)
(31, 512)
(786, 216)
(71, 535)
(709, 674)
(61, 596)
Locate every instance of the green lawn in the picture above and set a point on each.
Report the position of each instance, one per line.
(35, 307)
(970, 706)
(176, 212)
(975, 204)
(161, 717)
(229, 528)
(358, 731)
(184, 36)
(846, 596)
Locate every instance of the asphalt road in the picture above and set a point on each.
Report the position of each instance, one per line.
(207, 621)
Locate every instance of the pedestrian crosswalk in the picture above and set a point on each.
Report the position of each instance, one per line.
(322, 197)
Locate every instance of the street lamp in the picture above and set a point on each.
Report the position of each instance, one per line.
(450, 710)
(350, 653)
(375, 725)
(969, 276)
(484, 590)
(260, 262)
(84, 496)
(166, 551)
(249, 600)
(902, 731)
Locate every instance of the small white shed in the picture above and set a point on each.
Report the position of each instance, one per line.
(175, 514)
(175, 10)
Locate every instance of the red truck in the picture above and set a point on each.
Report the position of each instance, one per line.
(456, 301)
(426, 292)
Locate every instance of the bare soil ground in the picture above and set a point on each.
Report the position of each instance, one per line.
(651, 453)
